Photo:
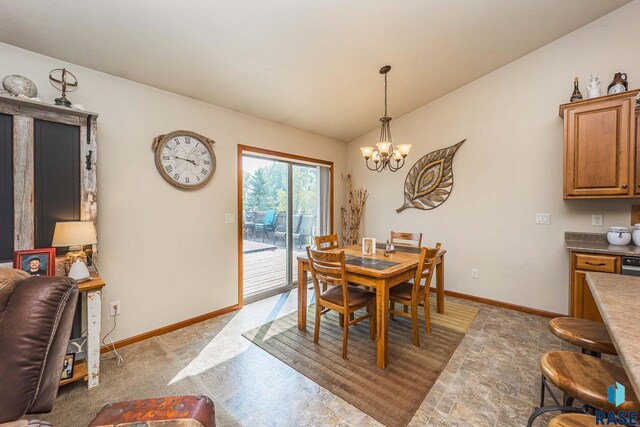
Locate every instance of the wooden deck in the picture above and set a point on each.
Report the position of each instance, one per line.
(267, 269)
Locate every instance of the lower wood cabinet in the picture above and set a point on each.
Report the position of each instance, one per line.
(581, 302)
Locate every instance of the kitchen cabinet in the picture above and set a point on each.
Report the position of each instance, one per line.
(601, 153)
(581, 302)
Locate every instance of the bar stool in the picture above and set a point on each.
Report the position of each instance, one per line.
(573, 420)
(585, 378)
(591, 336)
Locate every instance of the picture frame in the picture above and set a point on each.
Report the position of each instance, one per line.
(368, 246)
(36, 262)
(67, 366)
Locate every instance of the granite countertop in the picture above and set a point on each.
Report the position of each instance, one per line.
(617, 297)
(597, 243)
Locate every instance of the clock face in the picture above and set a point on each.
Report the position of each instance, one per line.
(185, 159)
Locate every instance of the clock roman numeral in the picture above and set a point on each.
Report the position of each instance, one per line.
(186, 180)
(204, 152)
(207, 162)
(165, 157)
(176, 176)
(197, 177)
(177, 141)
(204, 171)
(169, 168)
(187, 140)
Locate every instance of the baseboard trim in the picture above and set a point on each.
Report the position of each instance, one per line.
(170, 328)
(502, 304)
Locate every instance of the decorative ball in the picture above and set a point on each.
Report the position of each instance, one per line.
(19, 85)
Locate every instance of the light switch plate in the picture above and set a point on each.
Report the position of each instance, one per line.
(596, 220)
(543, 218)
(229, 218)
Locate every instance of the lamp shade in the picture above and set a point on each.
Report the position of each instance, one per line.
(74, 233)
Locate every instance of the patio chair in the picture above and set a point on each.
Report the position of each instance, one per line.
(268, 224)
(248, 224)
(306, 229)
(281, 230)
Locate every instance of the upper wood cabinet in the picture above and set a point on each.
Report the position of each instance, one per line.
(601, 155)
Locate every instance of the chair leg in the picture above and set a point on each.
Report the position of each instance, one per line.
(427, 313)
(393, 307)
(372, 319)
(341, 320)
(345, 340)
(414, 324)
(316, 329)
(406, 308)
(324, 287)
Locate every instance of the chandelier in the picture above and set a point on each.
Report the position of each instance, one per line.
(384, 154)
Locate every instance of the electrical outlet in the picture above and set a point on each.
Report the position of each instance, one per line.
(115, 309)
(475, 273)
(543, 218)
(596, 220)
(230, 218)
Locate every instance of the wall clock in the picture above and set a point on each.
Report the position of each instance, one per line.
(185, 159)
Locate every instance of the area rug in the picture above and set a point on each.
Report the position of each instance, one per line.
(392, 395)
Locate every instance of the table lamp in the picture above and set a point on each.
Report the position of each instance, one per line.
(75, 235)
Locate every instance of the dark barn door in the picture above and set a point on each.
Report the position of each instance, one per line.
(6, 188)
(57, 178)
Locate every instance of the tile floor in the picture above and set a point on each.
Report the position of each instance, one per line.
(491, 380)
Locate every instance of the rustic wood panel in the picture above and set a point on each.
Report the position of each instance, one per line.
(41, 115)
(23, 182)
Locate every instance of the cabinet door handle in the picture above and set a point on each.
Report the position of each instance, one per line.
(624, 185)
(599, 264)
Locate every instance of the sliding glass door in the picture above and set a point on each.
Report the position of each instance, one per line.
(285, 204)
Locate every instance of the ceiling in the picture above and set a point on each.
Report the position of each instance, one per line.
(308, 64)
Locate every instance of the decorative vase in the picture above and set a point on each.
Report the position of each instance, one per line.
(619, 84)
(19, 85)
(576, 95)
(593, 88)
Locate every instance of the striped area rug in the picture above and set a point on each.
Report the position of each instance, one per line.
(392, 395)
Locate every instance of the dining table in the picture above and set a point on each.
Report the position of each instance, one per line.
(381, 272)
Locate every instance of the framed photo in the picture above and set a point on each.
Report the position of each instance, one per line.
(36, 262)
(67, 367)
(368, 246)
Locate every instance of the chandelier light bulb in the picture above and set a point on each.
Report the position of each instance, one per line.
(404, 149)
(396, 155)
(366, 152)
(383, 147)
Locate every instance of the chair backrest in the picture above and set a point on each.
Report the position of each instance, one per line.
(308, 221)
(329, 268)
(426, 266)
(297, 222)
(406, 239)
(325, 243)
(270, 217)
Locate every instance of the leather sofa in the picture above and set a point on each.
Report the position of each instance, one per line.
(36, 316)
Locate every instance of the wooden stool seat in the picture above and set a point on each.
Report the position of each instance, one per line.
(573, 420)
(587, 379)
(584, 333)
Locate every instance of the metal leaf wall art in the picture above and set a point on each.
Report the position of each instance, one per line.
(430, 181)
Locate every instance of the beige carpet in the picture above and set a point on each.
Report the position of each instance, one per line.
(391, 396)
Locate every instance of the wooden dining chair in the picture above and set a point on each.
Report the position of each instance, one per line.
(325, 243)
(330, 268)
(406, 239)
(413, 294)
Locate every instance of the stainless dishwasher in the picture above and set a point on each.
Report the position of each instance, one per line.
(631, 266)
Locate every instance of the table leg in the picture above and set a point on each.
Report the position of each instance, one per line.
(302, 296)
(440, 286)
(382, 314)
(94, 317)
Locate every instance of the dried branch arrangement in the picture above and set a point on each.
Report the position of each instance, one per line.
(352, 216)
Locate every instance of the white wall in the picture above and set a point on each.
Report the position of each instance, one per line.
(509, 168)
(167, 255)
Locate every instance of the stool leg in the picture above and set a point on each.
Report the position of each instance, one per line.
(542, 387)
